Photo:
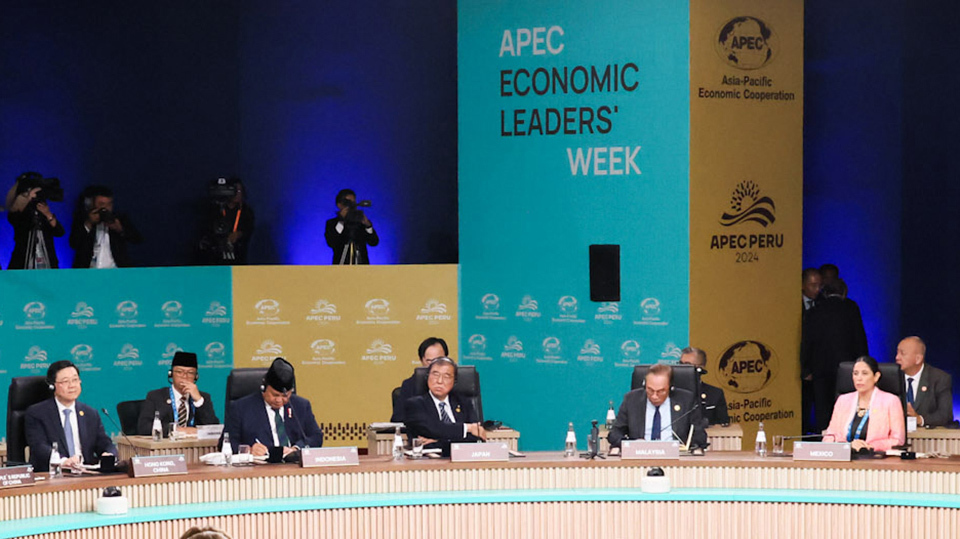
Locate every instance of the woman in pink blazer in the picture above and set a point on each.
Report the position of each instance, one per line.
(868, 417)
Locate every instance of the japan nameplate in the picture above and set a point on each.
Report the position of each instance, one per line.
(480, 452)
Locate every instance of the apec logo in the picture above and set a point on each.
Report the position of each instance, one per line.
(128, 351)
(747, 366)
(215, 351)
(529, 309)
(513, 349)
(324, 307)
(216, 309)
(379, 351)
(671, 352)
(746, 43)
(82, 310)
(650, 307)
(630, 349)
(269, 347)
(551, 346)
(747, 205)
(127, 310)
(478, 344)
(35, 310)
(490, 303)
(434, 311)
(323, 347)
(169, 351)
(608, 311)
(37, 354)
(377, 307)
(172, 310)
(268, 307)
(81, 353)
(568, 306)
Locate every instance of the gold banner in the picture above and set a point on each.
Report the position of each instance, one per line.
(351, 333)
(746, 203)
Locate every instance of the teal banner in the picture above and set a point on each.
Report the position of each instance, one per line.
(573, 130)
(121, 327)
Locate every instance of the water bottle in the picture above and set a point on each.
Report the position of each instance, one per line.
(55, 461)
(397, 445)
(157, 427)
(611, 416)
(761, 441)
(227, 450)
(570, 451)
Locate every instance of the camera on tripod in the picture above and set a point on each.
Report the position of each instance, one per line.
(354, 215)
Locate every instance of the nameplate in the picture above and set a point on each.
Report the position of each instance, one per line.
(209, 432)
(158, 465)
(821, 451)
(16, 476)
(642, 449)
(315, 457)
(480, 452)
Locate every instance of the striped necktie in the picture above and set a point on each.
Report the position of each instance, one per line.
(444, 416)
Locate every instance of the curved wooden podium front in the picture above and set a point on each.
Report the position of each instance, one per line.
(542, 495)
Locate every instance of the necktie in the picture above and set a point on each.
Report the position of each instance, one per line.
(444, 416)
(910, 391)
(182, 412)
(281, 429)
(68, 432)
(655, 430)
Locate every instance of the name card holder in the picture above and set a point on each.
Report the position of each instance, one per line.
(158, 465)
(17, 476)
(645, 450)
(315, 457)
(821, 451)
(209, 432)
(479, 452)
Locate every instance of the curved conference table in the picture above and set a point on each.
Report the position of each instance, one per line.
(723, 494)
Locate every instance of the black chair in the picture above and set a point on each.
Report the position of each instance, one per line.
(242, 382)
(129, 414)
(467, 385)
(684, 376)
(891, 381)
(25, 391)
(395, 397)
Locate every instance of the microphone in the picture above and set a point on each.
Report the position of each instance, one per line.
(696, 405)
(296, 418)
(136, 450)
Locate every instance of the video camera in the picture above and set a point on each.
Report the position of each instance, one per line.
(222, 190)
(50, 189)
(355, 216)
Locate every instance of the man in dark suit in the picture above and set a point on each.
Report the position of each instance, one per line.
(712, 399)
(350, 232)
(929, 389)
(659, 412)
(99, 237)
(832, 333)
(75, 427)
(181, 402)
(810, 292)
(430, 349)
(274, 417)
(440, 416)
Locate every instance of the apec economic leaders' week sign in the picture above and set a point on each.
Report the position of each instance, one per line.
(574, 130)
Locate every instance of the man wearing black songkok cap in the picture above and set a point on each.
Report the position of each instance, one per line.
(181, 402)
(274, 416)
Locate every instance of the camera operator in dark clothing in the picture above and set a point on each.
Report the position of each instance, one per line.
(34, 225)
(350, 232)
(228, 225)
(99, 237)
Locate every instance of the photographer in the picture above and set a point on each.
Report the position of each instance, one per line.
(34, 225)
(350, 232)
(99, 237)
(228, 225)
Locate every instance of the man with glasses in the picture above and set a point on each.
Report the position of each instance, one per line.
(274, 417)
(430, 349)
(440, 416)
(181, 402)
(75, 427)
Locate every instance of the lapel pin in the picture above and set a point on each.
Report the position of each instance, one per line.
(289, 413)
(703, 395)
(169, 401)
(924, 388)
(676, 407)
(81, 413)
(458, 409)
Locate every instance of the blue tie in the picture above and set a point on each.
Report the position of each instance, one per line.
(68, 432)
(655, 430)
(444, 416)
(910, 391)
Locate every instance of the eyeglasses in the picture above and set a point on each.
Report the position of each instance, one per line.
(442, 376)
(184, 372)
(68, 382)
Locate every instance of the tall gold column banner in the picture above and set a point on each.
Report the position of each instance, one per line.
(351, 333)
(746, 201)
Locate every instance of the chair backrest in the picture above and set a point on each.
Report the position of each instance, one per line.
(684, 377)
(242, 382)
(25, 391)
(129, 413)
(395, 397)
(467, 385)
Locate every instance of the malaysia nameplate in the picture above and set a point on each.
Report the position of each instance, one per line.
(480, 452)
(643, 449)
(824, 451)
(16, 476)
(315, 457)
(158, 465)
